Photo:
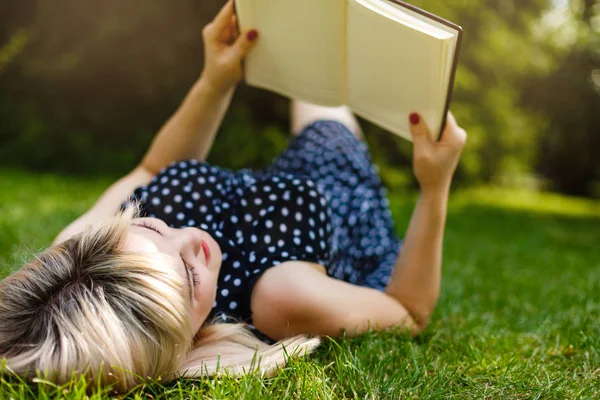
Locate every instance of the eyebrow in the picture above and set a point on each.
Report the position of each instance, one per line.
(190, 285)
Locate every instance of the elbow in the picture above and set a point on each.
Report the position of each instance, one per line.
(419, 325)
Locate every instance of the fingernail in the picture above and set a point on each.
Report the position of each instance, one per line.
(252, 35)
(414, 118)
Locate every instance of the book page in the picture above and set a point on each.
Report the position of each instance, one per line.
(394, 70)
(300, 50)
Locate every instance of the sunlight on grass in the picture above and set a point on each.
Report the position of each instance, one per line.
(529, 201)
(518, 316)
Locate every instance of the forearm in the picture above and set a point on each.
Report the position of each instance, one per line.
(190, 132)
(416, 278)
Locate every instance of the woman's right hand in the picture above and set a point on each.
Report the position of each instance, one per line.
(434, 163)
(224, 50)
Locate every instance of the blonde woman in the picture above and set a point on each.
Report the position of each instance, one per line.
(301, 249)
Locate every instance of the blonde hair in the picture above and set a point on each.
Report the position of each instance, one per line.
(86, 307)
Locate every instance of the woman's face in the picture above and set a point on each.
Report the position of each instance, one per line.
(196, 258)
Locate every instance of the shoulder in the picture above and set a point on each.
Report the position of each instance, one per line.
(285, 293)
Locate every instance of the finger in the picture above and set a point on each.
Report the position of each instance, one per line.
(453, 132)
(223, 18)
(244, 43)
(419, 131)
(232, 32)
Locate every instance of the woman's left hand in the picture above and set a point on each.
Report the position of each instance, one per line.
(224, 49)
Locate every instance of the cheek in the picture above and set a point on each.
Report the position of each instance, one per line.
(207, 290)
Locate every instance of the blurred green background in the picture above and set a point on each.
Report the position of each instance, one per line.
(84, 86)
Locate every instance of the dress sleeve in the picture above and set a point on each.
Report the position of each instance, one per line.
(283, 219)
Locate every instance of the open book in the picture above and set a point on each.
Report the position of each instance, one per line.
(382, 58)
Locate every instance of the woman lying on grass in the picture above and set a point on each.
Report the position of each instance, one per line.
(301, 249)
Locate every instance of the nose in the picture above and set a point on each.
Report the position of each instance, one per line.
(189, 241)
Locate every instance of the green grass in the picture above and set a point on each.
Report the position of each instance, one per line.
(519, 315)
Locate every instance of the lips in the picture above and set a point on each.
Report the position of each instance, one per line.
(206, 250)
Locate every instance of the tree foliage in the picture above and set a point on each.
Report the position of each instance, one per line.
(85, 85)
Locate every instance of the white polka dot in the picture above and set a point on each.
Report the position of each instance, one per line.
(273, 197)
(253, 238)
(283, 228)
(212, 179)
(258, 201)
(248, 217)
(272, 249)
(155, 201)
(237, 282)
(236, 264)
(180, 216)
(201, 180)
(252, 257)
(196, 196)
(175, 182)
(297, 241)
(234, 219)
(298, 216)
(269, 223)
(203, 209)
(285, 254)
(285, 212)
(280, 243)
(225, 292)
(233, 305)
(243, 202)
(166, 191)
(267, 188)
(312, 235)
(312, 207)
(297, 232)
(168, 209)
(299, 201)
(309, 249)
(177, 198)
(164, 179)
(208, 193)
(267, 239)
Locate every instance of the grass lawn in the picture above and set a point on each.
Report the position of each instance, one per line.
(519, 315)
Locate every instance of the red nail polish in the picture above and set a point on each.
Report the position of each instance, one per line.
(252, 35)
(414, 118)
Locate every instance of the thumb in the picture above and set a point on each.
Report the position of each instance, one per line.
(419, 131)
(244, 43)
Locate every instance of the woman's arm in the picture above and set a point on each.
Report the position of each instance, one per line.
(190, 132)
(416, 278)
(298, 297)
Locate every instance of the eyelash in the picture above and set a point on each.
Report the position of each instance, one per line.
(149, 226)
(195, 279)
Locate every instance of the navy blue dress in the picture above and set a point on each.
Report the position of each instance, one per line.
(320, 201)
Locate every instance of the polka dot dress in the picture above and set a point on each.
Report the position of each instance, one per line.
(320, 201)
